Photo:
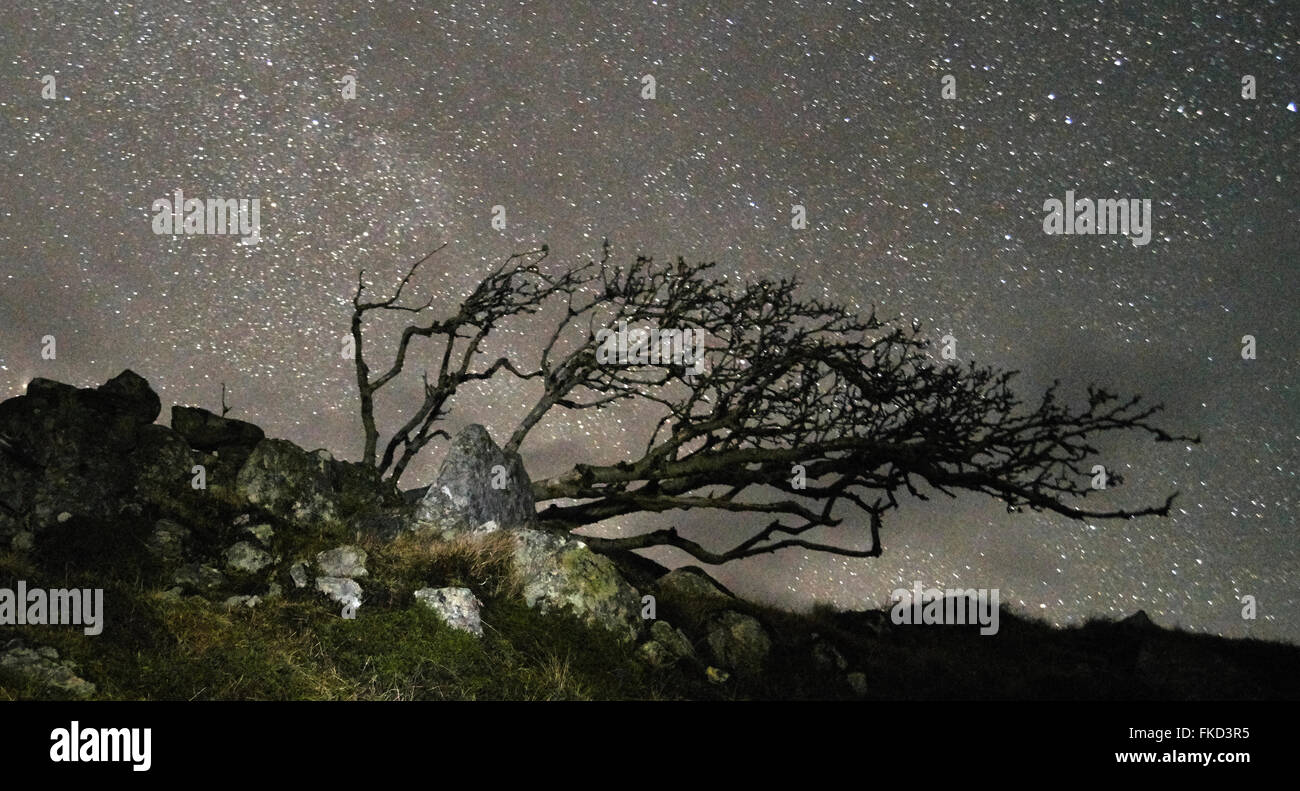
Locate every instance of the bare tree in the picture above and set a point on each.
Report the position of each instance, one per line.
(803, 408)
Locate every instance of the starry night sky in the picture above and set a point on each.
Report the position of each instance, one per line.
(926, 207)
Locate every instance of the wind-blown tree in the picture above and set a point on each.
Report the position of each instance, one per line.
(804, 410)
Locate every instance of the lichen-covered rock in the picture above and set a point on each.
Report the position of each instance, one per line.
(199, 577)
(42, 666)
(739, 643)
(245, 558)
(341, 589)
(289, 482)
(673, 640)
(345, 561)
(477, 483)
(262, 533)
(168, 539)
(564, 574)
(300, 574)
(457, 606)
(666, 646)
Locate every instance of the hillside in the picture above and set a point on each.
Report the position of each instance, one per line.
(233, 566)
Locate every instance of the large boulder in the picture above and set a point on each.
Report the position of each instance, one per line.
(564, 574)
(289, 482)
(77, 451)
(739, 643)
(477, 483)
(691, 597)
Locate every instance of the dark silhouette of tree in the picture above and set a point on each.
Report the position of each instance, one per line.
(804, 409)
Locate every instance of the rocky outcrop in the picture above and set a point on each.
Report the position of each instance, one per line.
(83, 452)
(207, 431)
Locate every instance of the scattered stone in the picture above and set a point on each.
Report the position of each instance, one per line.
(245, 558)
(236, 602)
(340, 589)
(457, 606)
(300, 574)
(199, 577)
(42, 666)
(344, 561)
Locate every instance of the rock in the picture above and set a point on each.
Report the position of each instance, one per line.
(245, 558)
(457, 606)
(345, 561)
(199, 577)
(300, 574)
(464, 494)
(827, 657)
(208, 431)
(41, 665)
(739, 643)
(273, 591)
(289, 482)
(340, 589)
(164, 463)
(130, 394)
(262, 533)
(75, 451)
(673, 640)
(858, 683)
(237, 602)
(690, 597)
(666, 646)
(63, 517)
(564, 574)
(168, 540)
(654, 654)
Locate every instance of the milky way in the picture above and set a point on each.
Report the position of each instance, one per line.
(924, 206)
